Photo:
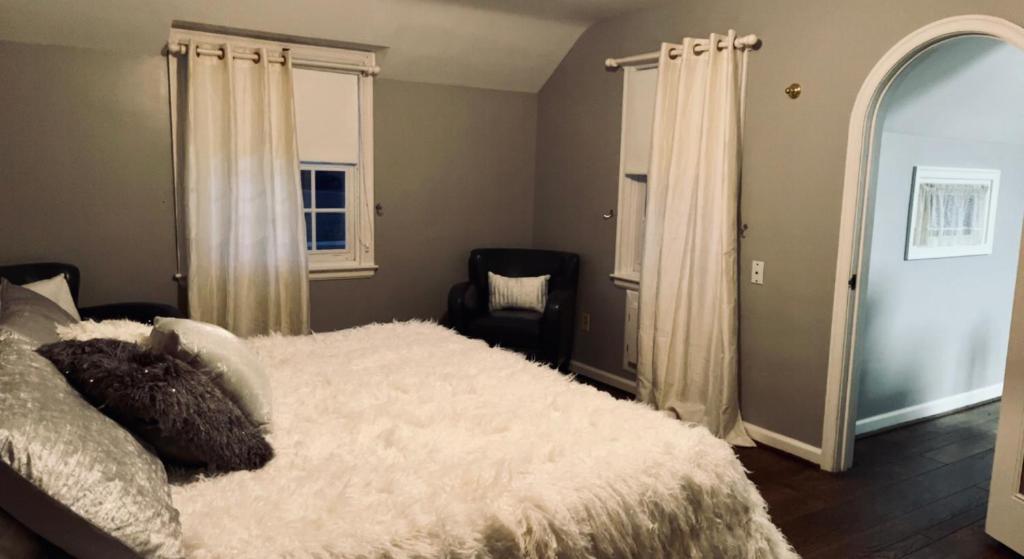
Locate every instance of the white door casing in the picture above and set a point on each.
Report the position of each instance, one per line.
(1005, 518)
(839, 418)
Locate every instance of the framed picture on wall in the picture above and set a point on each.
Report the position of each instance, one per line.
(952, 212)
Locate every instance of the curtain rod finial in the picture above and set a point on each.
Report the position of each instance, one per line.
(753, 42)
(177, 48)
(610, 64)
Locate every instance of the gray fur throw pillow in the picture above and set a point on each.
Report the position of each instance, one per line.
(175, 408)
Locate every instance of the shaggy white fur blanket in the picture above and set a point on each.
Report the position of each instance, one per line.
(408, 440)
(124, 330)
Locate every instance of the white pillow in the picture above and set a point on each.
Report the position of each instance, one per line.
(124, 330)
(517, 293)
(237, 372)
(56, 289)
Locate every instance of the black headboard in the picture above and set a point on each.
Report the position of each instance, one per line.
(27, 273)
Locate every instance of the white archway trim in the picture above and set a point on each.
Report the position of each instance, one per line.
(837, 433)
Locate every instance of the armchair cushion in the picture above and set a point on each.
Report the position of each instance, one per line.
(515, 329)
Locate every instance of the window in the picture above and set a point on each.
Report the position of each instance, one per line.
(638, 90)
(333, 96)
(325, 201)
(639, 84)
(334, 136)
(952, 212)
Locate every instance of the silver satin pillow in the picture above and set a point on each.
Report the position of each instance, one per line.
(30, 315)
(63, 446)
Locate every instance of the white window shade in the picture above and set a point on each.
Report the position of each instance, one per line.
(639, 120)
(327, 116)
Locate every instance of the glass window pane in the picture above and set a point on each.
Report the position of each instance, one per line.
(330, 189)
(309, 231)
(330, 231)
(306, 188)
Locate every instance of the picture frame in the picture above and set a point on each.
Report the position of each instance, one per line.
(952, 212)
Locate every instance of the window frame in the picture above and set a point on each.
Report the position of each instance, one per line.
(632, 194)
(328, 258)
(360, 214)
(952, 176)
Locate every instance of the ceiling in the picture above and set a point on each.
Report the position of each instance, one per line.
(497, 44)
(963, 88)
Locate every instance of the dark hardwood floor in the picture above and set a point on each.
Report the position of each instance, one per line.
(917, 491)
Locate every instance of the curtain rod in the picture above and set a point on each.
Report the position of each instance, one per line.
(749, 42)
(179, 49)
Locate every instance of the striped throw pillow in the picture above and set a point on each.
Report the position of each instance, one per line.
(518, 293)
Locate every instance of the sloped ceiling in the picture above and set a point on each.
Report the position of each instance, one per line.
(497, 44)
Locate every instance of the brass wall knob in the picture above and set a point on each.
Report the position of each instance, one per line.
(794, 90)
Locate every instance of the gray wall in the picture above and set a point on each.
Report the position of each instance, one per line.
(85, 172)
(85, 168)
(935, 328)
(793, 174)
(938, 327)
(454, 170)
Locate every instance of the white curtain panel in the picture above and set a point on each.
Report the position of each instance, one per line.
(688, 347)
(246, 238)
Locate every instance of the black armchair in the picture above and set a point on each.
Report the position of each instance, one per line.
(139, 312)
(546, 336)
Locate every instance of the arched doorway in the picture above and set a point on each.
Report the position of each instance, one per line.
(839, 428)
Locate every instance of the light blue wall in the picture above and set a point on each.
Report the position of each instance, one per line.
(935, 328)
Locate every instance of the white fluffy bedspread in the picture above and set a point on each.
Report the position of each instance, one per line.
(408, 440)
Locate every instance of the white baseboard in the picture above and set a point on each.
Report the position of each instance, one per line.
(928, 409)
(759, 434)
(786, 444)
(613, 380)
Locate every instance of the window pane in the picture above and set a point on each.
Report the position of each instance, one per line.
(330, 189)
(309, 231)
(306, 185)
(330, 231)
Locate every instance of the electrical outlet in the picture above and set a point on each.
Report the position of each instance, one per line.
(757, 272)
(585, 322)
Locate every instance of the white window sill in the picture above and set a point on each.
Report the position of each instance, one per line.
(626, 281)
(354, 271)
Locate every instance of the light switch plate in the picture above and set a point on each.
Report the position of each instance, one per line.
(757, 272)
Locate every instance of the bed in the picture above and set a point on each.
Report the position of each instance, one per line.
(408, 440)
